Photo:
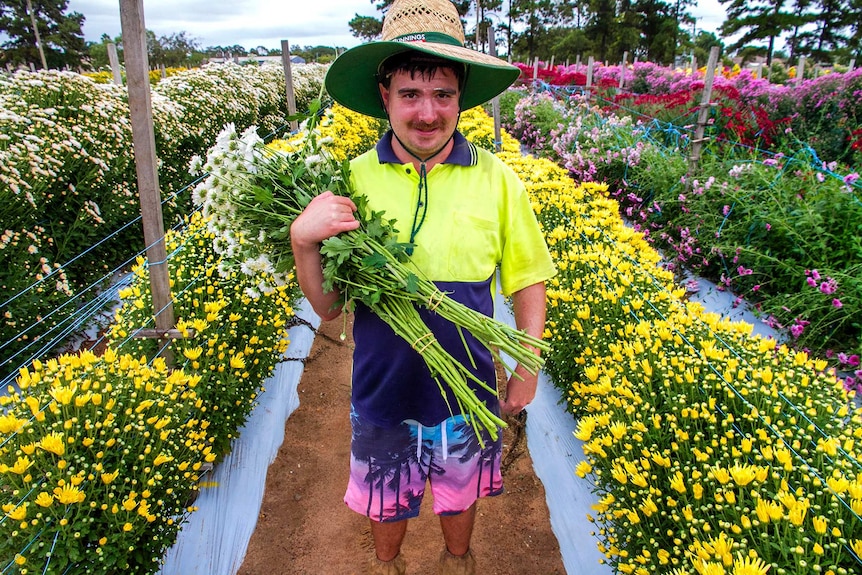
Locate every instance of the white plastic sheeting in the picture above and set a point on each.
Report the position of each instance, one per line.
(214, 539)
(556, 453)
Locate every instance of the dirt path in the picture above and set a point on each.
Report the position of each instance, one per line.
(304, 528)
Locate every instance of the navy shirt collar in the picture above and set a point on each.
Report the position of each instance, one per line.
(461, 154)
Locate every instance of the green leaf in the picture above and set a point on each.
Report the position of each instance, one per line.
(375, 260)
(412, 283)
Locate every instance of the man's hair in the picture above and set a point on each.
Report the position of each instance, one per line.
(418, 63)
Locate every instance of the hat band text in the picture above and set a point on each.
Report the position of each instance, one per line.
(435, 37)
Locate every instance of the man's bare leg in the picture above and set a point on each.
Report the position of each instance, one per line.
(388, 537)
(458, 530)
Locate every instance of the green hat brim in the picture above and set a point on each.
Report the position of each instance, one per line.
(352, 78)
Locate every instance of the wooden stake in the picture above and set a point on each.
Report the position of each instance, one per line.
(495, 103)
(288, 85)
(143, 138)
(703, 113)
(115, 64)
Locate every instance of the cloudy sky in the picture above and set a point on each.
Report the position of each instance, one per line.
(252, 23)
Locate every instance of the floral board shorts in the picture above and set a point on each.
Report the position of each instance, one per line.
(390, 467)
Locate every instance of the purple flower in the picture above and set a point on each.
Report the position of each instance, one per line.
(811, 281)
(725, 210)
(796, 330)
(756, 287)
(768, 227)
(837, 303)
(743, 271)
(850, 178)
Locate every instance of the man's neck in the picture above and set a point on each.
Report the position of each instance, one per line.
(406, 157)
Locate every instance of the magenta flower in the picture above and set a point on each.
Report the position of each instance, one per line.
(811, 281)
(849, 179)
(837, 303)
(743, 271)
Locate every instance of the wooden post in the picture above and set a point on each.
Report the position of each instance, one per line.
(495, 103)
(693, 64)
(115, 64)
(162, 71)
(551, 65)
(589, 85)
(703, 113)
(288, 85)
(760, 70)
(623, 70)
(36, 34)
(800, 70)
(852, 65)
(143, 138)
(536, 68)
(578, 60)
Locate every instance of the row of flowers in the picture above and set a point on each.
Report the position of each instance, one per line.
(778, 230)
(824, 112)
(101, 455)
(712, 451)
(68, 199)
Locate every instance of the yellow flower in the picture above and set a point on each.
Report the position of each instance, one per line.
(677, 482)
(44, 499)
(22, 464)
(69, 494)
(107, 478)
(193, 353)
(11, 424)
(53, 443)
(16, 513)
(749, 566)
(128, 527)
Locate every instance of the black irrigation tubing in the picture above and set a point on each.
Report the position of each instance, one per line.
(736, 392)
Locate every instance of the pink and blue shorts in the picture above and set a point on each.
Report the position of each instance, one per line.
(390, 468)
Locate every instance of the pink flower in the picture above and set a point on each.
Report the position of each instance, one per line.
(850, 178)
(756, 287)
(796, 330)
(725, 210)
(768, 227)
(743, 271)
(837, 303)
(811, 281)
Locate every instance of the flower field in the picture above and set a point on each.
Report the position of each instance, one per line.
(770, 211)
(712, 451)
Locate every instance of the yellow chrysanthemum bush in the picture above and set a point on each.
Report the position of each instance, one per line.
(712, 450)
(237, 330)
(343, 132)
(98, 458)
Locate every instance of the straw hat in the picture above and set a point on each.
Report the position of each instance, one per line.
(429, 26)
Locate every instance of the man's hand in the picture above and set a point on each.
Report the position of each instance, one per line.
(519, 392)
(325, 216)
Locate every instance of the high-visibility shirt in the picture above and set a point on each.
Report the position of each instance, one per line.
(475, 219)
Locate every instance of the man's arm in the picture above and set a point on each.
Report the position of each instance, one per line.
(325, 216)
(528, 305)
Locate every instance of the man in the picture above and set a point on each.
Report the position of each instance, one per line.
(466, 215)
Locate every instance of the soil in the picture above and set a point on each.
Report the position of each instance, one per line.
(304, 527)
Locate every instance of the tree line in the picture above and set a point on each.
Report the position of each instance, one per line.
(829, 31)
(61, 42)
(42, 33)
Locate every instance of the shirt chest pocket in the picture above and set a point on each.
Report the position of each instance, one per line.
(475, 247)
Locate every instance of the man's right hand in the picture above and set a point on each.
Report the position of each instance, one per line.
(325, 216)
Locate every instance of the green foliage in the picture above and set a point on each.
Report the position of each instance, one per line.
(60, 34)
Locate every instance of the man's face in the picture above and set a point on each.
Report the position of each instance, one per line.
(423, 111)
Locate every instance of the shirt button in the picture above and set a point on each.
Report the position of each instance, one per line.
(407, 170)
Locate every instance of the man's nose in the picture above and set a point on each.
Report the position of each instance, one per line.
(427, 113)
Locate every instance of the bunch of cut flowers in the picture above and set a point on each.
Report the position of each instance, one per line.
(252, 194)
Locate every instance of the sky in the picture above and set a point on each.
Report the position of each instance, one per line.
(253, 23)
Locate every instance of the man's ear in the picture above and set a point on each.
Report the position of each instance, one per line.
(383, 92)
